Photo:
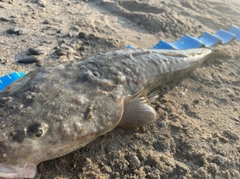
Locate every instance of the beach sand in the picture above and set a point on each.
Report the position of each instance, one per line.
(198, 130)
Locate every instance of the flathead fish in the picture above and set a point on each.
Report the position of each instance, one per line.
(57, 109)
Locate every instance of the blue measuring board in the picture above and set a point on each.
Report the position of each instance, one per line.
(9, 78)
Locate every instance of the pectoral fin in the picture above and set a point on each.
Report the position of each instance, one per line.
(137, 112)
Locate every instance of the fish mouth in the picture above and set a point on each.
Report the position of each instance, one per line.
(17, 172)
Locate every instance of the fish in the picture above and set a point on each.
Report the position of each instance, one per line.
(60, 108)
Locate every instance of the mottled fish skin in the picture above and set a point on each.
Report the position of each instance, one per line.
(57, 109)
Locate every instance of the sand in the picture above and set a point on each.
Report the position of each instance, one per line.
(198, 130)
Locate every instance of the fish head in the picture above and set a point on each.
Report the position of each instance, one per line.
(42, 118)
(20, 138)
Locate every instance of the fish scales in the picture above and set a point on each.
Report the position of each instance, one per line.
(57, 109)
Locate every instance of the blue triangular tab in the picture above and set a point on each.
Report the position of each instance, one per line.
(225, 36)
(163, 45)
(130, 46)
(208, 39)
(236, 31)
(187, 42)
(8, 79)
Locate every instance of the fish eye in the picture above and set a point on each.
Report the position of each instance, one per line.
(37, 130)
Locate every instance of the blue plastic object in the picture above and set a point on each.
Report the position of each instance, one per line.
(163, 45)
(8, 79)
(187, 42)
(205, 40)
(130, 46)
(225, 36)
(208, 39)
(236, 31)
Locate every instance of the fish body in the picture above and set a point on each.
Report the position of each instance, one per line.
(57, 109)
